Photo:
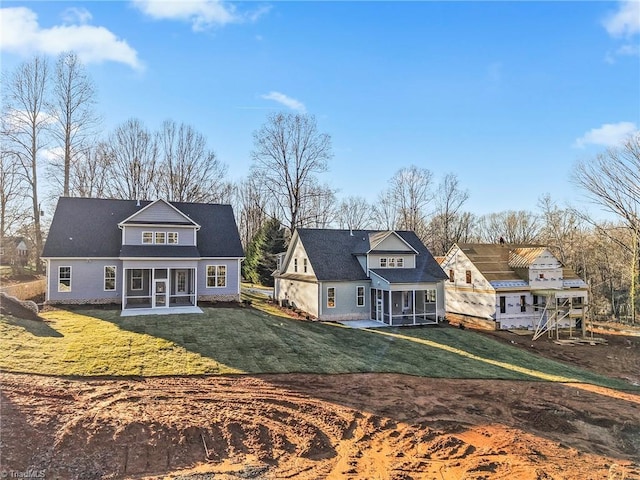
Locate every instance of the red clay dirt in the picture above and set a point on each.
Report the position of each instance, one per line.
(355, 426)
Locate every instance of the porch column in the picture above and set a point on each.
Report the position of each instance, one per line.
(390, 308)
(194, 279)
(124, 287)
(413, 294)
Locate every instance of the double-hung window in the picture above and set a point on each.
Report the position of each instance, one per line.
(331, 297)
(109, 278)
(64, 279)
(172, 238)
(136, 279)
(147, 237)
(360, 296)
(160, 237)
(216, 276)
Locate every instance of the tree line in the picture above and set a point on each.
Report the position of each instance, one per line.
(50, 124)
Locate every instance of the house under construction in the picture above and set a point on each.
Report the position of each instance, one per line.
(506, 286)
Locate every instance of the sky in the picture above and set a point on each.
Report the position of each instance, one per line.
(508, 96)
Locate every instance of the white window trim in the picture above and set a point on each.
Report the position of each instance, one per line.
(399, 262)
(155, 238)
(70, 277)
(115, 277)
(216, 275)
(152, 238)
(141, 277)
(295, 265)
(334, 297)
(177, 238)
(364, 301)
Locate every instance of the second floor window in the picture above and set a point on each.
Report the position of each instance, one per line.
(172, 238)
(147, 237)
(452, 276)
(295, 265)
(160, 237)
(468, 276)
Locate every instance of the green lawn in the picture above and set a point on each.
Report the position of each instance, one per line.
(246, 340)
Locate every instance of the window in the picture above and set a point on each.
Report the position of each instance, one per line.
(523, 303)
(392, 262)
(304, 262)
(452, 276)
(400, 262)
(331, 297)
(383, 263)
(136, 279)
(147, 237)
(576, 302)
(109, 278)
(64, 279)
(541, 276)
(468, 276)
(295, 264)
(360, 296)
(430, 296)
(535, 303)
(160, 237)
(216, 276)
(503, 304)
(172, 238)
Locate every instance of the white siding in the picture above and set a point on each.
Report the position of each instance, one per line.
(303, 294)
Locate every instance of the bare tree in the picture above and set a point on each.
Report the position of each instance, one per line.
(251, 208)
(444, 227)
(133, 152)
(190, 171)
(385, 214)
(410, 192)
(318, 210)
(13, 211)
(514, 226)
(612, 181)
(73, 99)
(24, 126)
(89, 175)
(354, 213)
(288, 153)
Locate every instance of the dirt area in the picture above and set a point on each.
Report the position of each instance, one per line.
(355, 426)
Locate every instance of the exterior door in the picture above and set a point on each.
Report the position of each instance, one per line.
(181, 281)
(160, 293)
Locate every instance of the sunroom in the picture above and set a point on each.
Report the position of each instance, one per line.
(161, 287)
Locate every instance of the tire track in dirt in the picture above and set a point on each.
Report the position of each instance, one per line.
(313, 426)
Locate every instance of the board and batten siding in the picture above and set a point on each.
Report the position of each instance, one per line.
(231, 292)
(133, 234)
(87, 281)
(345, 301)
(159, 212)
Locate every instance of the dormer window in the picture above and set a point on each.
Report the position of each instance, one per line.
(383, 263)
(399, 262)
(391, 262)
(160, 237)
(147, 237)
(172, 238)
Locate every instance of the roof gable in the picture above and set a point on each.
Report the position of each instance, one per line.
(159, 212)
(389, 241)
(90, 227)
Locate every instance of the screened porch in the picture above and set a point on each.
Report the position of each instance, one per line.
(159, 288)
(404, 307)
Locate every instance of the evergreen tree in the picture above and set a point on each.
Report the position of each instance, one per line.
(261, 260)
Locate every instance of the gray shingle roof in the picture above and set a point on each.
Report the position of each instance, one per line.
(333, 256)
(88, 227)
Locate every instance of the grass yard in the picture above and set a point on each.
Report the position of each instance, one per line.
(246, 340)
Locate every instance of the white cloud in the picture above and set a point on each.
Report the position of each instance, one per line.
(288, 102)
(21, 34)
(625, 21)
(202, 14)
(75, 15)
(608, 135)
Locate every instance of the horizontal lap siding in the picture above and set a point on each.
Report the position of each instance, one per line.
(345, 308)
(232, 289)
(87, 281)
(133, 234)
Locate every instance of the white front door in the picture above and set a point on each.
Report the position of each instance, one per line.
(160, 293)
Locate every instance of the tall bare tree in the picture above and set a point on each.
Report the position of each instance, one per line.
(514, 226)
(188, 170)
(612, 181)
(410, 191)
(72, 108)
(13, 211)
(354, 213)
(24, 129)
(89, 175)
(288, 152)
(447, 223)
(318, 210)
(251, 208)
(133, 152)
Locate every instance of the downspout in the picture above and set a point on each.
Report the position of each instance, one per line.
(319, 300)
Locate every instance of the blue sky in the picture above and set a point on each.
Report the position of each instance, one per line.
(506, 95)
